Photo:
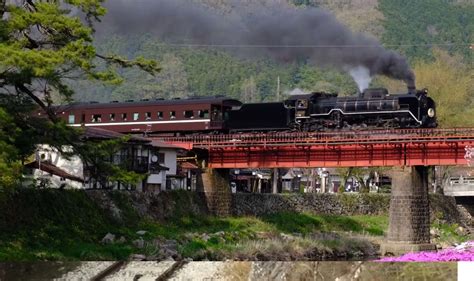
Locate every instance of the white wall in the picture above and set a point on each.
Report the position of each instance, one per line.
(72, 166)
(159, 178)
(55, 181)
(170, 160)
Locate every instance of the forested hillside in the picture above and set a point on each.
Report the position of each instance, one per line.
(433, 34)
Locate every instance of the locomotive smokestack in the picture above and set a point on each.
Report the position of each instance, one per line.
(250, 28)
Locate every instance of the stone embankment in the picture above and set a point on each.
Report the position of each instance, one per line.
(167, 205)
(441, 207)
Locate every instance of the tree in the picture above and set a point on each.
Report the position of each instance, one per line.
(42, 46)
(249, 90)
(359, 174)
(9, 168)
(449, 82)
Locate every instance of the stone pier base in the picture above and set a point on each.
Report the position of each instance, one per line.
(409, 226)
(214, 183)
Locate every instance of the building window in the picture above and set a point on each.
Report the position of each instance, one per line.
(173, 115)
(148, 116)
(112, 116)
(136, 115)
(72, 119)
(161, 158)
(124, 116)
(189, 114)
(160, 115)
(96, 118)
(203, 113)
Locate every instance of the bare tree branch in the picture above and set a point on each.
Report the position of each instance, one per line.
(22, 88)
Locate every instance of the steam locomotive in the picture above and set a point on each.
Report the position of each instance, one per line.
(374, 108)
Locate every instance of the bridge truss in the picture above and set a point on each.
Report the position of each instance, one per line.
(402, 147)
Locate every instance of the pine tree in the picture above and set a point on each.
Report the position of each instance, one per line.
(42, 45)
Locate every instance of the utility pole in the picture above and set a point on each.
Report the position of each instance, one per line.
(275, 181)
(278, 89)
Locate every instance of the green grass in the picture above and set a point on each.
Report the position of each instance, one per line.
(60, 225)
(307, 223)
(71, 242)
(239, 230)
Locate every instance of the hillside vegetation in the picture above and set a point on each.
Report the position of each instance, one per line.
(426, 31)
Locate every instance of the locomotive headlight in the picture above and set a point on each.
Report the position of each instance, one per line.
(431, 112)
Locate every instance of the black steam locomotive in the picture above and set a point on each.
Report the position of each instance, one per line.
(374, 108)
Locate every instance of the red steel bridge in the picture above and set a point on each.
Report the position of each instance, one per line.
(400, 147)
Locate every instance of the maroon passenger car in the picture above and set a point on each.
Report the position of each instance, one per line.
(179, 116)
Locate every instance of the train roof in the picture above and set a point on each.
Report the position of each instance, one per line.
(313, 95)
(144, 102)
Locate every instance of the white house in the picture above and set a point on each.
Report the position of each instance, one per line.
(155, 159)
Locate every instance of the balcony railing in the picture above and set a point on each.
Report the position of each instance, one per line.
(137, 164)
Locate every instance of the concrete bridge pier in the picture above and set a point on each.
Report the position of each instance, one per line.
(409, 225)
(214, 185)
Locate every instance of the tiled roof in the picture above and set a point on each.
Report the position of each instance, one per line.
(97, 133)
(188, 166)
(158, 143)
(52, 169)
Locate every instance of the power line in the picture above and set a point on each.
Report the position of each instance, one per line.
(312, 46)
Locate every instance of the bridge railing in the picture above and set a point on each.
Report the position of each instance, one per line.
(375, 136)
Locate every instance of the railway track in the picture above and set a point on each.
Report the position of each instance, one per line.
(121, 270)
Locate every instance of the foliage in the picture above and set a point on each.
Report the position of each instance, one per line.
(99, 157)
(41, 47)
(210, 71)
(413, 26)
(9, 167)
(359, 174)
(307, 223)
(53, 224)
(65, 225)
(450, 85)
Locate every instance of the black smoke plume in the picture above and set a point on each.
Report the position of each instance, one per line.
(284, 32)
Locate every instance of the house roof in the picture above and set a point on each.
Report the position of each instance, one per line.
(156, 102)
(159, 167)
(161, 144)
(54, 170)
(103, 134)
(188, 166)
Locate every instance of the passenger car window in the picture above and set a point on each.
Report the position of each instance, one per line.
(160, 115)
(189, 114)
(72, 119)
(136, 115)
(96, 118)
(173, 115)
(203, 113)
